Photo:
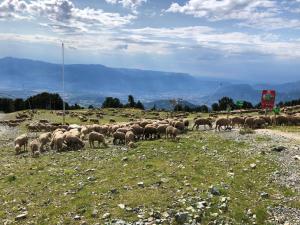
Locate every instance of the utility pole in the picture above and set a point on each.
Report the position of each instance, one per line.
(63, 82)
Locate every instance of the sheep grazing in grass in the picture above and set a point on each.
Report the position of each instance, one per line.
(73, 142)
(57, 140)
(171, 132)
(21, 141)
(94, 136)
(131, 145)
(258, 123)
(129, 137)
(44, 139)
(34, 147)
(118, 138)
(280, 120)
(222, 122)
(138, 131)
(202, 122)
(180, 126)
(186, 123)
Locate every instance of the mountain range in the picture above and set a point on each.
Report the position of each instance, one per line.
(90, 84)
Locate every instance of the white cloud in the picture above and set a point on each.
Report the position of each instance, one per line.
(132, 4)
(62, 13)
(265, 14)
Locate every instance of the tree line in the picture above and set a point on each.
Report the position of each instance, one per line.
(40, 101)
(111, 102)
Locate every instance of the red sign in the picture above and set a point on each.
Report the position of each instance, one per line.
(268, 99)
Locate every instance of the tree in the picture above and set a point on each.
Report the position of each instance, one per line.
(91, 107)
(178, 107)
(19, 104)
(131, 102)
(215, 107)
(140, 105)
(247, 105)
(153, 108)
(111, 102)
(226, 102)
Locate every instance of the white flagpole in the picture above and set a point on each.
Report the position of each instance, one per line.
(63, 81)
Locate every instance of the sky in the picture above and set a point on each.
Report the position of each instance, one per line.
(251, 40)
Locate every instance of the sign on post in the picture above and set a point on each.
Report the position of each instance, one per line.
(268, 99)
(240, 103)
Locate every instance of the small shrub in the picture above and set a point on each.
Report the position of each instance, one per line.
(246, 131)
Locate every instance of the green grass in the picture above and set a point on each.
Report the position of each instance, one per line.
(55, 187)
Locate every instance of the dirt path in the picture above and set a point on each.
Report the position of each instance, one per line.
(293, 136)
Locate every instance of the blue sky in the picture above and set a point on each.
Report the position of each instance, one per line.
(253, 40)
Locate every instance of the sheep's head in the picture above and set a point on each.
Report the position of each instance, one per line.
(17, 149)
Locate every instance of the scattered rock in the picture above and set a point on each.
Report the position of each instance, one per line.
(264, 195)
(215, 191)
(279, 149)
(106, 215)
(22, 216)
(141, 184)
(252, 165)
(181, 217)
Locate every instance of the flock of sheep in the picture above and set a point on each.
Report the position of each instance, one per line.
(72, 137)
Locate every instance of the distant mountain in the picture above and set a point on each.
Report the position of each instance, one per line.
(90, 84)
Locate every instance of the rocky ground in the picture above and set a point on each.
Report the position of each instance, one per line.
(207, 178)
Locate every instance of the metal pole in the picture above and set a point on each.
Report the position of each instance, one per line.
(63, 81)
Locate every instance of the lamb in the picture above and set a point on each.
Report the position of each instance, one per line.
(222, 122)
(34, 147)
(129, 137)
(198, 122)
(118, 136)
(44, 139)
(171, 132)
(21, 141)
(94, 136)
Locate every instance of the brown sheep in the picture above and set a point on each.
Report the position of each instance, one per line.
(202, 122)
(129, 137)
(222, 122)
(21, 141)
(258, 123)
(138, 131)
(94, 136)
(34, 147)
(150, 132)
(73, 142)
(280, 120)
(171, 132)
(118, 137)
(186, 123)
(180, 126)
(239, 121)
(249, 122)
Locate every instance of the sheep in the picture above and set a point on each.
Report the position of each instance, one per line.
(249, 122)
(131, 145)
(161, 130)
(171, 132)
(57, 140)
(180, 126)
(73, 142)
(21, 141)
(258, 123)
(44, 139)
(294, 120)
(198, 122)
(240, 121)
(34, 147)
(129, 137)
(267, 119)
(186, 123)
(222, 122)
(150, 132)
(137, 130)
(94, 136)
(118, 136)
(280, 120)
(94, 121)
